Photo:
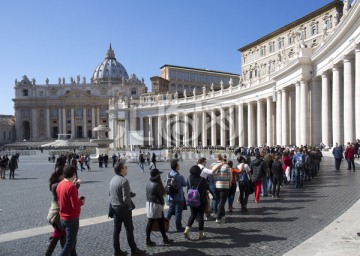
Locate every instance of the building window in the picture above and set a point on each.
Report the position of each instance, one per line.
(67, 92)
(291, 39)
(271, 47)
(25, 93)
(79, 113)
(314, 28)
(54, 113)
(26, 113)
(68, 113)
(89, 112)
(281, 43)
(9, 135)
(133, 91)
(262, 51)
(103, 113)
(88, 92)
(41, 94)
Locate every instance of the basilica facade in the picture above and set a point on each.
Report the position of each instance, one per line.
(299, 85)
(74, 108)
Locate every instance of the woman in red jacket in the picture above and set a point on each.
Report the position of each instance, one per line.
(286, 163)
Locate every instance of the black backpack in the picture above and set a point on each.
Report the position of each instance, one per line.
(170, 186)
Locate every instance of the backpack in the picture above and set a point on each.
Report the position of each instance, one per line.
(193, 196)
(170, 186)
(243, 176)
(299, 162)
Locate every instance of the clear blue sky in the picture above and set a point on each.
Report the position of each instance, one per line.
(44, 38)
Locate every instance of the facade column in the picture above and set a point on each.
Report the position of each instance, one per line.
(213, 127)
(336, 106)
(251, 126)
(64, 120)
(231, 126)
(222, 127)
(177, 130)
(60, 126)
(269, 126)
(34, 123)
(84, 122)
(204, 129)
(357, 91)
(48, 124)
(304, 112)
(285, 117)
(297, 114)
(150, 135)
(278, 118)
(98, 116)
(72, 114)
(349, 118)
(195, 130)
(168, 131)
(93, 124)
(141, 128)
(127, 128)
(260, 123)
(160, 133)
(325, 117)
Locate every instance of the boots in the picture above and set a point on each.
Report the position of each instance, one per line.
(51, 247)
(201, 235)
(167, 241)
(187, 233)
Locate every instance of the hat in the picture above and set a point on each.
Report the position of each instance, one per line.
(155, 173)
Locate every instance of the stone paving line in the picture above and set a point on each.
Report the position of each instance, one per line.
(11, 236)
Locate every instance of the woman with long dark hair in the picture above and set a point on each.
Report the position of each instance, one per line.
(155, 193)
(54, 217)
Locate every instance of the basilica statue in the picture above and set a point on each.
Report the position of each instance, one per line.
(47, 81)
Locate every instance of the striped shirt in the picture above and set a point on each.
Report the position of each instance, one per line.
(222, 177)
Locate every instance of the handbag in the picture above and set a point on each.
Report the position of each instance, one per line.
(156, 227)
(111, 211)
(53, 215)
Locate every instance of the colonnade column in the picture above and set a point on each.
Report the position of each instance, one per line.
(357, 90)
(278, 118)
(150, 135)
(186, 129)
(231, 127)
(241, 124)
(34, 132)
(260, 123)
(84, 123)
(159, 135)
(98, 116)
(349, 121)
(195, 130)
(222, 127)
(304, 112)
(204, 129)
(336, 106)
(251, 126)
(177, 130)
(168, 131)
(325, 117)
(213, 128)
(316, 94)
(269, 127)
(297, 114)
(285, 117)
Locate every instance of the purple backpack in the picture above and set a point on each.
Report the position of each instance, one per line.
(193, 196)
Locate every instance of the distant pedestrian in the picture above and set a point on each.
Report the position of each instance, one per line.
(338, 156)
(350, 156)
(277, 172)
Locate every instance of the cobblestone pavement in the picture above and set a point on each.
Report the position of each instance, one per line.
(271, 227)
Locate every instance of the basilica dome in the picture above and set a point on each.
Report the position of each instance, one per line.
(109, 69)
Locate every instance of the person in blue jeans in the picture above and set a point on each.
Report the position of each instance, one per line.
(176, 201)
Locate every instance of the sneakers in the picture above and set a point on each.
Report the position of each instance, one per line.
(220, 220)
(187, 233)
(138, 252)
(168, 241)
(150, 243)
